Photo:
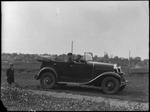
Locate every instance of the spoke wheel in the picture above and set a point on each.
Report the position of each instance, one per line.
(48, 80)
(110, 85)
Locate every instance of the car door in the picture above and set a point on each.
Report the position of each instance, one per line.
(77, 72)
(63, 71)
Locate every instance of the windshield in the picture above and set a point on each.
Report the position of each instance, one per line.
(88, 56)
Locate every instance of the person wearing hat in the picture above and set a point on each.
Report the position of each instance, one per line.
(69, 58)
(10, 74)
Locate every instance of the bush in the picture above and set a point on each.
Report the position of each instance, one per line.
(14, 94)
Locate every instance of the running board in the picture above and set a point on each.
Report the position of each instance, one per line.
(79, 85)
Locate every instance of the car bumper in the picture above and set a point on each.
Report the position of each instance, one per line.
(122, 73)
(124, 83)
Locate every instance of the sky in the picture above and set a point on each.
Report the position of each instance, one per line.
(114, 27)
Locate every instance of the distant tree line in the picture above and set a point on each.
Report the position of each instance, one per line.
(124, 62)
(31, 58)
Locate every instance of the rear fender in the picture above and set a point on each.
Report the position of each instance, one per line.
(47, 69)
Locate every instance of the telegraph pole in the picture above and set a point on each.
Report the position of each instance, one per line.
(129, 58)
(72, 47)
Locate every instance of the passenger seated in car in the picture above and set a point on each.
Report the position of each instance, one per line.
(69, 58)
(78, 59)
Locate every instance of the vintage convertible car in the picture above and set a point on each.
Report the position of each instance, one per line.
(105, 76)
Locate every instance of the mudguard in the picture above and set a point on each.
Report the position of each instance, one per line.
(109, 73)
(49, 69)
(104, 74)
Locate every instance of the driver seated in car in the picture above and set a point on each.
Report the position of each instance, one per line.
(69, 58)
(78, 59)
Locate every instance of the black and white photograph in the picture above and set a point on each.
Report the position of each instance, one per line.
(75, 55)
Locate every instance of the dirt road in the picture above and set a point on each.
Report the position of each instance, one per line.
(113, 102)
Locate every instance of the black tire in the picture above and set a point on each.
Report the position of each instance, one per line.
(110, 85)
(122, 88)
(47, 80)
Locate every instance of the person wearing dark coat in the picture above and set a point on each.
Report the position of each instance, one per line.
(10, 75)
(69, 58)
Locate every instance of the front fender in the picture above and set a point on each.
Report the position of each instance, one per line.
(46, 69)
(100, 77)
(109, 73)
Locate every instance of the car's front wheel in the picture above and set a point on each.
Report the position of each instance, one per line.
(110, 85)
(47, 80)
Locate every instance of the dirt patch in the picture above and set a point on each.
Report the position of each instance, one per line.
(112, 102)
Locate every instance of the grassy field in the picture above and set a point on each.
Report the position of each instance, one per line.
(136, 90)
(21, 67)
(32, 67)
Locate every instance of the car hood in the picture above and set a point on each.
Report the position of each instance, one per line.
(101, 65)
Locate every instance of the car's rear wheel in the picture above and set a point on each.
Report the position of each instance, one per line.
(47, 80)
(110, 85)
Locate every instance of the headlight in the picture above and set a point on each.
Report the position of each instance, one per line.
(119, 69)
(115, 66)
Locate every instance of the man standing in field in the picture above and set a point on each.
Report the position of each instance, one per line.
(10, 75)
